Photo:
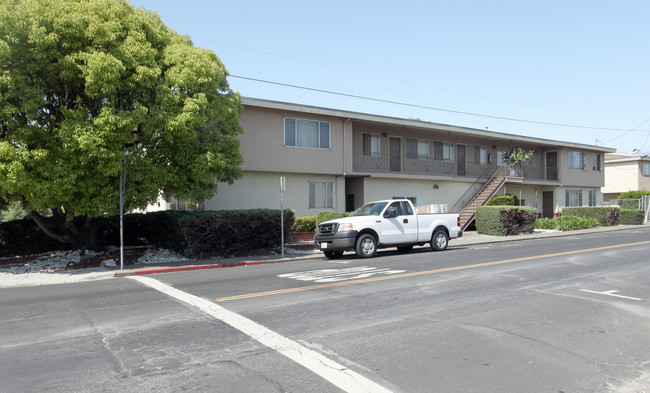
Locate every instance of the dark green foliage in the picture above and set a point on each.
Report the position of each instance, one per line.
(606, 216)
(632, 216)
(504, 220)
(23, 236)
(228, 232)
(503, 200)
(197, 234)
(565, 223)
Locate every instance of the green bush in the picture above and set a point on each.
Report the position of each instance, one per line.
(304, 224)
(503, 200)
(490, 219)
(566, 223)
(326, 216)
(632, 216)
(606, 216)
(633, 194)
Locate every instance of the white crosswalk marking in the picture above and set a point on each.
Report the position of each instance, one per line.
(334, 275)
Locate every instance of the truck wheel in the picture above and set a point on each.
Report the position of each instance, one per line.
(333, 254)
(404, 249)
(439, 240)
(366, 246)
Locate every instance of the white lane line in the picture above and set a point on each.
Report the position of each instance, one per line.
(328, 369)
(611, 293)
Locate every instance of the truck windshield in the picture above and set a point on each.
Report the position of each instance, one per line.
(370, 209)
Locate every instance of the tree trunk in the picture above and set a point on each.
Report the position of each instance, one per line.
(81, 232)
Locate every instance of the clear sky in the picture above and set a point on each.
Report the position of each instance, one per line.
(569, 62)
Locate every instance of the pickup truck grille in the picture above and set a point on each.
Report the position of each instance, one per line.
(327, 229)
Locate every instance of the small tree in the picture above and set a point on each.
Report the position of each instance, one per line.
(87, 86)
(518, 157)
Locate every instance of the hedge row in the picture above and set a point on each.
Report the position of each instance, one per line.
(505, 220)
(194, 234)
(606, 216)
(632, 216)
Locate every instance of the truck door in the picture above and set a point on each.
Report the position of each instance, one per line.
(402, 228)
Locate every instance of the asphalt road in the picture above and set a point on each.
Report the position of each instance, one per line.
(568, 314)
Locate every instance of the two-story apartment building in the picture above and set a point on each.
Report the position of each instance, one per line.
(336, 160)
(625, 173)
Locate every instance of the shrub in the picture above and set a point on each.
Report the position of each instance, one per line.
(565, 223)
(326, 216)
(503, 200)
(633, 194)
(304, 224)
(517, 221)
(504, 220)
(632, 216)
(606, 216)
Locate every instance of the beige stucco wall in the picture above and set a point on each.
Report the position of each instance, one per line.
(262, 144)
(578, 177)
(262, 190)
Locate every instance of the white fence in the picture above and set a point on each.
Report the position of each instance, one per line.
(643, 204)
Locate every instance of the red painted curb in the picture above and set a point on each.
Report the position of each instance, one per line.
(195, 267)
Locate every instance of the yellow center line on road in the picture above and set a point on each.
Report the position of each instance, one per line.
(425, 272)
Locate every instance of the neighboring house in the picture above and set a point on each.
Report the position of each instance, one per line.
(625, 173)
(336, 160)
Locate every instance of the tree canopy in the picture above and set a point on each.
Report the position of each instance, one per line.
(86, 85)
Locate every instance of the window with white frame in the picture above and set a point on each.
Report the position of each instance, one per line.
(597, 162)
(306, 133)
(573, 198)
(593, 194)
(321, 195)
(371, 145)
(645, 169)
(417, 149)
(443, 151)
(480, 155)
(577, 160)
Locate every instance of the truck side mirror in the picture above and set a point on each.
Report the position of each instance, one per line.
(390, 212)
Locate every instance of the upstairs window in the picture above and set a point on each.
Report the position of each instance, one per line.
(443, 151)
(417, 149)
(597, 160)
(480, 155)
(371, 145)
(577, 160)
(306, 133)
(645, 169)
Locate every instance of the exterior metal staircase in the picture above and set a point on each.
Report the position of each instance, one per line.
(491, 187)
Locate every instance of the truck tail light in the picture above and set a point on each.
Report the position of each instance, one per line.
(458, 220)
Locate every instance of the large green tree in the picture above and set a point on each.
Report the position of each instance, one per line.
(86, 84)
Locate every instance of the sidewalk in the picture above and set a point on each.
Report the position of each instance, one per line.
(74, 276)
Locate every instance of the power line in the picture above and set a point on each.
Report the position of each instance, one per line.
(439, 109)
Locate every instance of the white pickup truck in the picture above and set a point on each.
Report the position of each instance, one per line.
(389, 223)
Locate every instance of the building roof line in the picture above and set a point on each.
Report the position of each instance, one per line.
(257, 102)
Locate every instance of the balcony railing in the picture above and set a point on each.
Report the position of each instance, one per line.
(382, 163)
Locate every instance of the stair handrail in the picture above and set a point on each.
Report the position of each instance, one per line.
(481, 176)
(465, 224)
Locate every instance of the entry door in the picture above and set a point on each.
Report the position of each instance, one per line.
(395, 154)
(547, 204)
(551, 165)
(460, 161)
